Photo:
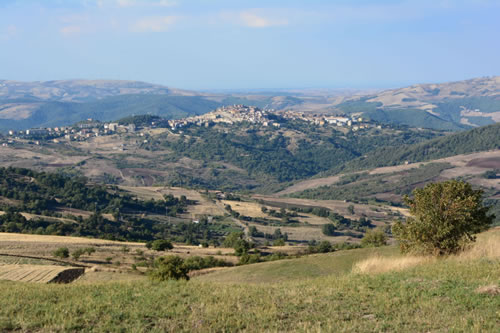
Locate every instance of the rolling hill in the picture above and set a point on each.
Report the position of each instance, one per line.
(59, 103)
(448, 106)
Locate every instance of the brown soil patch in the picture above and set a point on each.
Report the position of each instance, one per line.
(491, 162)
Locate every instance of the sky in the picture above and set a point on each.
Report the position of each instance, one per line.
(251, 44)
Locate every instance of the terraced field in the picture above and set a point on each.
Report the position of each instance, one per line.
(40, 273)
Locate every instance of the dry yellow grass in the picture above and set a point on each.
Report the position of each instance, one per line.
(486, 246)
(247, 208)
(377, 265)
(203, 205)
(14, 237)
(110, 257)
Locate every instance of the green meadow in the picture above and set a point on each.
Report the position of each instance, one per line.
(309, 294)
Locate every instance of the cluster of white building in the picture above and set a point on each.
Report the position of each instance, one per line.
(79, 132)
(228, 115)
(225, 114)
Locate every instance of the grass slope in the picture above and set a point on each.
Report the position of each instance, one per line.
(331, 264)
(434, 297)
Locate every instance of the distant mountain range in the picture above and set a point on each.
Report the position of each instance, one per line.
(448, 106)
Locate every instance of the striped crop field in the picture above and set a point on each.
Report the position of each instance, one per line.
(40, 273)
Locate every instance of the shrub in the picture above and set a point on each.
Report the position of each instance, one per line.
(324, 247)
(328, 229)
(232, 239)
(169, 268)
(161, 245)
(61, 252)
(241, 247)
(77, 253)
(236, 241)
(490, 174)
(445, 217)
(246, 259)
(279, 242)
(196, 263)
(374, 238)
(89, 250)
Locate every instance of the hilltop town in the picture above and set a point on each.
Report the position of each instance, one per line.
(229, 115)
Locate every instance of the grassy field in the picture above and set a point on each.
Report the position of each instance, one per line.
(330, 264)
(110, 256)
(455, 294)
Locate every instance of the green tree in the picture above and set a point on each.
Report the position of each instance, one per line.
(61, 252)
(161, 245)
(232, 239)
(328, 229)
(78, 253)
(445, 217)
(324, 247)
(241, 247)
(374, 238)
(89, 250)
(490, 174)
(279, 242)
(169, 268)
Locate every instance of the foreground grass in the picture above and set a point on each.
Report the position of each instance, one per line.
(311, 266)
(438, 296)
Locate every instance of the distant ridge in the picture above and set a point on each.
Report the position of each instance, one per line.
(57, 103)
(475, 140)
(449, 106)
(452, 106)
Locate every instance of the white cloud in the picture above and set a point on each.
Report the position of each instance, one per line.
(70, 30)
(154, 3)
(253, 20)
(154, 24)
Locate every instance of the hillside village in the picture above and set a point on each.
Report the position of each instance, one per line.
(230, 115)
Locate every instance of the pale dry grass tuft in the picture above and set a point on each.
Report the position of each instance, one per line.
(377, 265)
(489, 290)
(487, 246)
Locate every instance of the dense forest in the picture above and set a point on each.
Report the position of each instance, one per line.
(475, 140)
(298, 151)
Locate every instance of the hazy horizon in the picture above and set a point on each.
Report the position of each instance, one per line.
(251, 45)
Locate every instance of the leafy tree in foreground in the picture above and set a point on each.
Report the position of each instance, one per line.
(169, 268)
(445, 217)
